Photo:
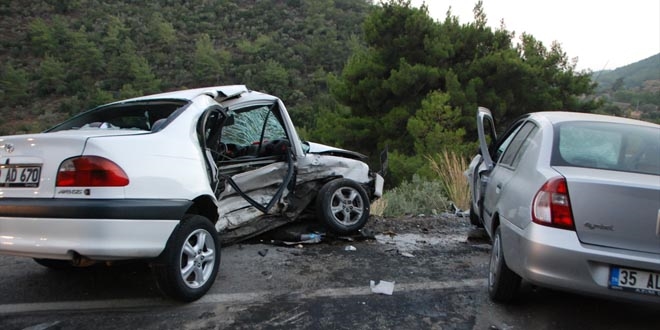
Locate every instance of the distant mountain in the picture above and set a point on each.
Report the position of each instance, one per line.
(634, 76)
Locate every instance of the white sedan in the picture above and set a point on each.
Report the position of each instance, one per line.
(166, 177)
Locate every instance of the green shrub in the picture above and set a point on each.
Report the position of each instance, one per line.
(416, 197)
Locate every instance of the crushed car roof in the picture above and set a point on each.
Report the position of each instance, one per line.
(223, 92)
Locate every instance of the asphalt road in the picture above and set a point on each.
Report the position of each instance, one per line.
(439, 283)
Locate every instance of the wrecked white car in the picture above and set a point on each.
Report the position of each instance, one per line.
(158, 177)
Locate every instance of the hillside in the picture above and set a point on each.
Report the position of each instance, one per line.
(632, 90)
(634, 75)
(60, 57)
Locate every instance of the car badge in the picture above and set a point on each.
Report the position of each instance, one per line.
(9, 148)
(593, 226)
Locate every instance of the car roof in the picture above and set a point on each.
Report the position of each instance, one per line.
(556, 117)
(219, 93)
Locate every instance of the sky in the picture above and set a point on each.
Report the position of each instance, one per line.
(603, 35)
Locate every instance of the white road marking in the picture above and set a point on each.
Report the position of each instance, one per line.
(231, 298)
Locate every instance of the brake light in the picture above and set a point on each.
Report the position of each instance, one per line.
(552, 207)
(90, 171)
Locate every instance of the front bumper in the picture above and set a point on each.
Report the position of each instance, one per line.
(377, 186)
(96, 229)
(555, 258)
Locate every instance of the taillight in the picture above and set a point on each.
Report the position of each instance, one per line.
(551, 206)
(90, 171)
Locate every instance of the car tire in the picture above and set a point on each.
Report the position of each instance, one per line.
(343, 206)
(503, 283)
(55, 264)
(189, 265)
(474, 218)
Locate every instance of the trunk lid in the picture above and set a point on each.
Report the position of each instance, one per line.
(614, 208)
(29, 163)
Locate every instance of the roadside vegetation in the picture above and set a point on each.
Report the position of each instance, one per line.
(354, 74)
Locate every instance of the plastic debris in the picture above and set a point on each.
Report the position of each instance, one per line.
(310, 238)
(350, 248)
(383, 287)
(407, 254)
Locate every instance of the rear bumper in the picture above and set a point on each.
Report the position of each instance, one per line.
(94, 208)
(96, 229)
(555, 258)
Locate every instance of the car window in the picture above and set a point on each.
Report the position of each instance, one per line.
(253, 127)
(526, 142)
(505, 144)
(517, 144)
(132, 116)
(609, 146)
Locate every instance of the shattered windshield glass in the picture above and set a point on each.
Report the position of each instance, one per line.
(248, 126)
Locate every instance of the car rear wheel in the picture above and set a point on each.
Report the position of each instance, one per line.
(503, 283)
(343, 206)
(190, 262)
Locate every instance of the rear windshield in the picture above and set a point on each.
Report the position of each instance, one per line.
(609, 146)
(131, 116)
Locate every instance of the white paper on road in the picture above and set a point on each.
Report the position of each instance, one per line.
(383, 287)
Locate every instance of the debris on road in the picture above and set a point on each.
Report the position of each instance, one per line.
(350, 248)
(407, 254)
(383, 287)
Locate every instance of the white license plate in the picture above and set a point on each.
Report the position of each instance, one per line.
(635, 280)
(19, 175)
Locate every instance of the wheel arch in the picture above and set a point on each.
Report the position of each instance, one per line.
(205, 206)
(494, 223)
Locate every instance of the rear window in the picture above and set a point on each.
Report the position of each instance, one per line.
(132, 116)
(609, 146)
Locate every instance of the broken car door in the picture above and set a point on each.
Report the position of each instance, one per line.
(255, 164)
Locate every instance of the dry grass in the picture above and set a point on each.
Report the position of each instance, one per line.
(378, 207)
(450, 166)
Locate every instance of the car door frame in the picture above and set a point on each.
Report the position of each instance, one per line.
(485, 164)
(490, 183)
(215, 167)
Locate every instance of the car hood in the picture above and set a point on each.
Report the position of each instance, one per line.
(317, 148)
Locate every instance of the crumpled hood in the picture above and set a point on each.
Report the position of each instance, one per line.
(317, 148)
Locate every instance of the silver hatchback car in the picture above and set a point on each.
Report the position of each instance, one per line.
(571, 201)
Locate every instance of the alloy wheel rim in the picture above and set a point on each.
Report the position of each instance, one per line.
(197, 258)
(347, 206)
(494, 262)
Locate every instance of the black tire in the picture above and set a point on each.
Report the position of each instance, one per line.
(343, 206)
(474, 218)
(189, 265)
(55, 264)
(503, 283)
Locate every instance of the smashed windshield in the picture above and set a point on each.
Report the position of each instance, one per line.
(248, 127)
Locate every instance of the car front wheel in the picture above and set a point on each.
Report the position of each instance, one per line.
(343, 205)
(190, 262)
(503, 283)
